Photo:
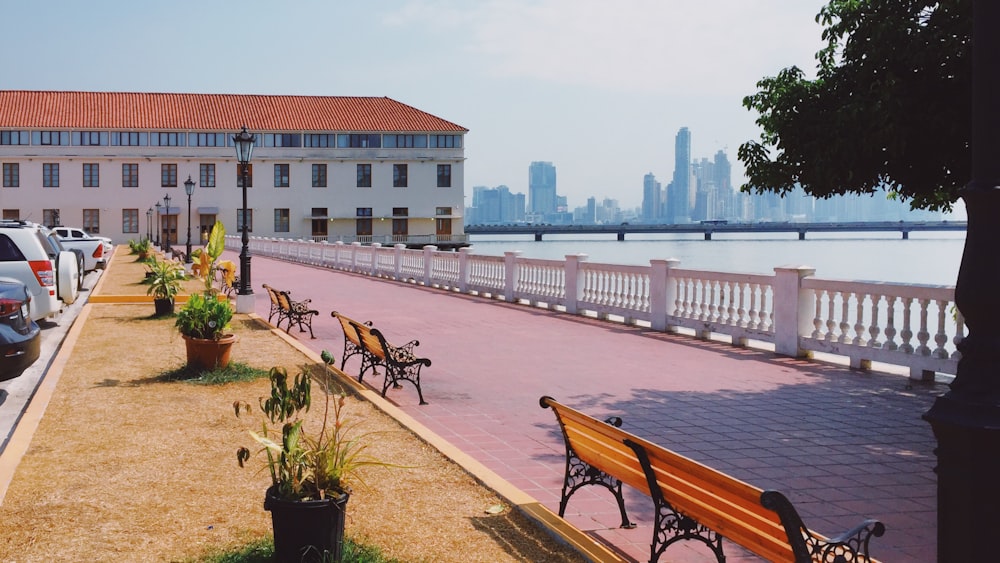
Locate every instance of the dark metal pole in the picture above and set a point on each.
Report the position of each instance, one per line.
(188, 259)
(966, 420)
(245, 287)
(159, 224)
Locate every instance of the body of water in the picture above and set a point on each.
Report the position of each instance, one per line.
(925, 258)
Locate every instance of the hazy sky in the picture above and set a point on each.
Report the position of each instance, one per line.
(597, 87)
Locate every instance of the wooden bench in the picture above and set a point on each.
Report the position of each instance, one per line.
(295, 312)
(399, 362)
(352, 344)
(693, 501)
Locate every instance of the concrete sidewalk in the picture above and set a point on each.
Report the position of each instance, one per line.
(843, 445)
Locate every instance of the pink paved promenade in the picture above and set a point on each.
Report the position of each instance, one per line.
(841, 444)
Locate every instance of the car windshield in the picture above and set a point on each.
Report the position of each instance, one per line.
(51, 247)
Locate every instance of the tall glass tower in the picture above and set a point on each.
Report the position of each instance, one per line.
(542, 188)
(679, 198)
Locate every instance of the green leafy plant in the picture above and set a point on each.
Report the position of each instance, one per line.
(140, 247)
(304, 465)
(208, 257)
(205, 316)
(164, 278)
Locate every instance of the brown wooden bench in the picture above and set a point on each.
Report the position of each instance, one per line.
(295, 312)
(272, 294)
(694, 501)
(399, 362)
(352, 344)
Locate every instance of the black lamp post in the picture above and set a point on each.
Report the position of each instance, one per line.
(166, 213)
(159, 223)
(149, 224)
(189, 189)
(244, 151)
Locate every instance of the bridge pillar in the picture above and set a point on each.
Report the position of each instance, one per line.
(621, 236)
(906, 235)
(538, 236)
(802, 235)
(708, 235)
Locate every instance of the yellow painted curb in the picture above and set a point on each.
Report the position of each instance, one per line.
(25, 428)
(523, 502)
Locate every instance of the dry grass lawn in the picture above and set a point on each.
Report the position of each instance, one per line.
(128, 467)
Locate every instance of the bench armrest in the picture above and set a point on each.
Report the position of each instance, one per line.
(808, 547)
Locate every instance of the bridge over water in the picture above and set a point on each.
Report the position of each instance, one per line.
(708, 228)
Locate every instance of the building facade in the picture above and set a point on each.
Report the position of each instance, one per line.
(542, 197)
(363, 169)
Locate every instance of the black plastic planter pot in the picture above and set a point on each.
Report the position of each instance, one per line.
(305, 530)
(163, 307)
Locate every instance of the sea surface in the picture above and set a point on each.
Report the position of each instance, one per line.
(925, 258)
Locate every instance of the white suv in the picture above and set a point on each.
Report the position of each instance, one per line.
(51, 274)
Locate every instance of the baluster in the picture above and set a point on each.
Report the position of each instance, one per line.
(922, 334)
(831, 318)
(741, 312)
(713, 307)
(890, 327)
(907, 332)
(859, 326)
(703, 289)
(818, 317)
(686, 299)
(752, 315)
(874, 330)
(959, 333)
(765, 311)
(941, 338)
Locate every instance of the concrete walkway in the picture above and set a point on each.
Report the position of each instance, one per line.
(843, 445)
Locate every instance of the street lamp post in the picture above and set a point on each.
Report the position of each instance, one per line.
(149, 224)
(166, 213)
(244, 142)
(189, 189)
(159, 223)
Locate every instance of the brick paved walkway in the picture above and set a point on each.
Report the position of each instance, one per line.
(841, 444)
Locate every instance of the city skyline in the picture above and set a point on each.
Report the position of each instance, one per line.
(597, 89)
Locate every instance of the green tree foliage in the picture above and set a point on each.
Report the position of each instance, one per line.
(889, 107)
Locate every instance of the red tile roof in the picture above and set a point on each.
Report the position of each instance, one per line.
(212, 112)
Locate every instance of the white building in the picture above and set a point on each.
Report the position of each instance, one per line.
(331, 168)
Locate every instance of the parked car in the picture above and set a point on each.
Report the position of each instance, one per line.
(96, 250)
(52, 274)
(20, 336)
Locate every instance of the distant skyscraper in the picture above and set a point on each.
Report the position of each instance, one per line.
(652, 198)
(681, 193)
(542, 188)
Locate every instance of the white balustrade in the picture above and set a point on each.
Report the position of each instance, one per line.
(915, 326)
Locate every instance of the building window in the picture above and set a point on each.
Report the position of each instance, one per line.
(444, 175)
(239, 220)
(400, 223)
(50, 137)
(129, 139)
(50, 217)
(207, 139)
(359, 141)
(50, 175)
(130, 220)
(446, 141)
(282, 140)
(166, 139)
(14, 138)
(320, 140)
(92, 220)
(11, 214)
(404, 141)
(90, 138)
(91, 175)
(206, 175)
(399, 175)
(281, 175)
(168, 175)
(281, 221)
(319, 175)
(130, 175)
(442, 211)
(363, 224)
(11, 175)
(239, 175)
(364, 175)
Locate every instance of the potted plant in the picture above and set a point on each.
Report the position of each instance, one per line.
(204, 324)
(140, 247)
(164, 278)
(312, 468)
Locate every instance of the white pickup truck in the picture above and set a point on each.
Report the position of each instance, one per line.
(96, 250)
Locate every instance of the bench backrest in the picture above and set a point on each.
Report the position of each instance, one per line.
(369, 341)
(346, 324)
(273, 294)
(283, 301)
(720, 502)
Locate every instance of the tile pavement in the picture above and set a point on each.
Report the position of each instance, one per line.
(841, 444)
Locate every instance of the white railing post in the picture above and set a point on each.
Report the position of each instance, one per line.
(661, 293)
(355, 246)
(429, 251)
(376, 247)
(793, 309)
(510, 273)
(463, 269)
(574, 281)
(398, 261)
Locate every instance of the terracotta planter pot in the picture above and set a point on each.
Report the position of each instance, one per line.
(309, 530)
(209, 354)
